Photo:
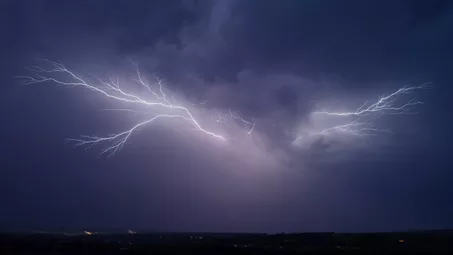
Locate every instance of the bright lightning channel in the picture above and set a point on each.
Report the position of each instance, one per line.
(251, 125)
(112, 90)
(385, 105)
(230, 118)
(354, 128)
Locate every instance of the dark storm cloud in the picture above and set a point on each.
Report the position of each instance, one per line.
(346, 38)
(269, 60)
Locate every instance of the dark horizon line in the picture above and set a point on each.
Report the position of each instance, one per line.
(152, 232)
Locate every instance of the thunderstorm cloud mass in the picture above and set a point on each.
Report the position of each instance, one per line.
(226, 115)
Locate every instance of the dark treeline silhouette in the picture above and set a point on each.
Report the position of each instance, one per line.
(196, 243)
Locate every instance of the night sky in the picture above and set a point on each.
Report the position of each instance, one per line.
(275, 62)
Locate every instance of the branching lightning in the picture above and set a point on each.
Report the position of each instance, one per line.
(113, 91)
(385, 105)
(230, 118)
(155, 105)
(353, 128)
(250, 125)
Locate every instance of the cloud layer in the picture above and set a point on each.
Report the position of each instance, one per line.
(272, 62)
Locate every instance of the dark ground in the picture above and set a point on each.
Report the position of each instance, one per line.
(433, 242)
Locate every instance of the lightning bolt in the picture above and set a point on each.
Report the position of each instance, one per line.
(251, 125)
(354, 128)
(229, 119)
(113, 91)
(385, 105)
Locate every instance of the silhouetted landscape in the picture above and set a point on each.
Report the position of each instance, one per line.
(228, 243)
